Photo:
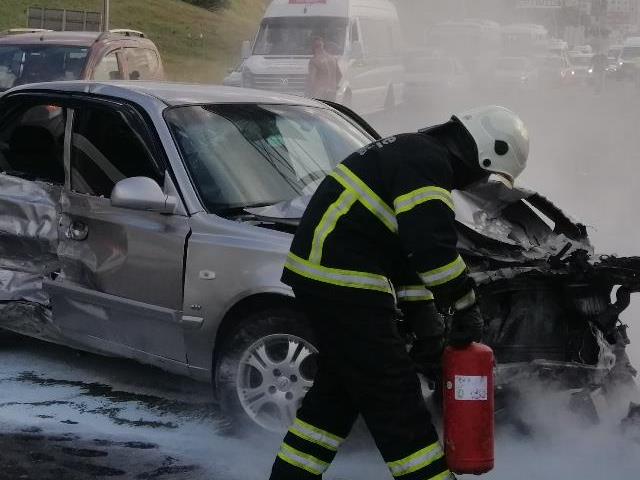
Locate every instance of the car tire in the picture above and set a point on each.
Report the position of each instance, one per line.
(265, 366)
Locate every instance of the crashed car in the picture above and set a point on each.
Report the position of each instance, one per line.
(151, 221)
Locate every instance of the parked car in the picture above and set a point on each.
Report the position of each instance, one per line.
(555, 71)
(427, 76)
(52, 56)
(515, 72)
(167, 245)
(581, 64)
(629, 61)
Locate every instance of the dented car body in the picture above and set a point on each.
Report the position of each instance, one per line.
(123, 234)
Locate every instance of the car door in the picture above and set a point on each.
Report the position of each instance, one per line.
(120, 285)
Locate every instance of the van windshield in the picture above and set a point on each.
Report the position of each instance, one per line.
(22, 64)
(295, 35)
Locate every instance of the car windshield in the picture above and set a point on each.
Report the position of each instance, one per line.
(295, 35)
(630, 53)
(512, 64)
(21, 64)
(248, 155)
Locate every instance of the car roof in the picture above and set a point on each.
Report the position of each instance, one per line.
(80, 39)
(172, 94)
(85, 39)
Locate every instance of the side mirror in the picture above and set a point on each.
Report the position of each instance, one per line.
(142, 193)
(245, 50)
(356, 51)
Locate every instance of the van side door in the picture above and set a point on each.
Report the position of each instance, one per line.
(377, 70)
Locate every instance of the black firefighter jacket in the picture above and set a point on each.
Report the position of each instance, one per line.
(380, 229)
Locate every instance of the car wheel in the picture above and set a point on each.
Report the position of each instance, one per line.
(266, 365)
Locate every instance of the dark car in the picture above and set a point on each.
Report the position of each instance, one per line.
(53, 56)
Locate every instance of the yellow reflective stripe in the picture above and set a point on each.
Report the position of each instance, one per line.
(465, 301)
(366, 196)
(335, 276)
(413, 293)
(416, 461)
(446, 475)
(406, 202)
(315, 435)
(328, 222)
(302, 460)
(445, 274)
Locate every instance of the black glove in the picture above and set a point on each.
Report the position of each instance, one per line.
(466, 327)
(426, 353)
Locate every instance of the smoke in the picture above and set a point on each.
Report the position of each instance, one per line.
(585, 156)
(563, 442)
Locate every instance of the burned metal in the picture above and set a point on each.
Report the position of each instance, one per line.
(28, 253)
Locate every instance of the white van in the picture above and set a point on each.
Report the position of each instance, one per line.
(365, 35)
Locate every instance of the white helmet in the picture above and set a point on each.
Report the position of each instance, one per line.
(501, 138)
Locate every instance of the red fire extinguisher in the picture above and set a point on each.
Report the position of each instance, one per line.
(468, 408)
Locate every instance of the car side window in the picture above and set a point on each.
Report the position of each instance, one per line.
(32, 143)
(105, 149)
(108, 68)
(142, 63)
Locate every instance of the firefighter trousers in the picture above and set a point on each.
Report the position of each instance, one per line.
(363, 369)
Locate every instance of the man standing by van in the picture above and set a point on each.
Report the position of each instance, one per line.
(385, 217)
(324, 73)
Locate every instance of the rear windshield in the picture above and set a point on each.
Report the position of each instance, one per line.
(21, 64)
(295, 35)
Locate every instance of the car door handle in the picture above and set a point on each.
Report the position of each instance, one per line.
(78, 231)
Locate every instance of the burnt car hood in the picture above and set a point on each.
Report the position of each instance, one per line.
(493, 220)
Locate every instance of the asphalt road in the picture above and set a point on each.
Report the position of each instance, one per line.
(75, 416)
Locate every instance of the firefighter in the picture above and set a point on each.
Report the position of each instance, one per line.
(379, 233)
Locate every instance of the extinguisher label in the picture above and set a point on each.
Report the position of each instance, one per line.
(470, 387)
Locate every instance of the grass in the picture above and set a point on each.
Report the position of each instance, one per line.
(196, 45)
